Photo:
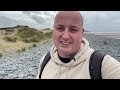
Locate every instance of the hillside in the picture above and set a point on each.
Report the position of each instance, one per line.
(21, 37)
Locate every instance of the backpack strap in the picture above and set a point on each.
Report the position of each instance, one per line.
(45, 61)
(95, 65)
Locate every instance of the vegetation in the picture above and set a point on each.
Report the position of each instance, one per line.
(34, 45)
(21, 50)
(48, 35)
(0, 54)
(29, 35)
(10, 39)
(23, 38)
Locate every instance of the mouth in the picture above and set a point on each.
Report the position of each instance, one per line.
(65, 43)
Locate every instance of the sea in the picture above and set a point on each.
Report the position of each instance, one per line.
(115, 35)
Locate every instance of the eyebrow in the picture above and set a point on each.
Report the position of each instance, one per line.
(73, 26)
(60, 25)
(70, 26)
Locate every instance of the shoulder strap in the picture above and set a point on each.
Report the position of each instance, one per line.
(95, 65)
(45, 61)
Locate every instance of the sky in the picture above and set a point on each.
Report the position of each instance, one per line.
(94, 21)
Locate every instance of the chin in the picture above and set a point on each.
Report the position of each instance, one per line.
(66, 51)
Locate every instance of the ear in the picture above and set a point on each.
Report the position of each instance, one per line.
(83, 30)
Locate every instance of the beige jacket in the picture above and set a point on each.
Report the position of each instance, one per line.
(78, 69)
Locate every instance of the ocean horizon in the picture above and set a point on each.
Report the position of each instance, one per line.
(115, 35)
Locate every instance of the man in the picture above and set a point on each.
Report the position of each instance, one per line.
(70, 54)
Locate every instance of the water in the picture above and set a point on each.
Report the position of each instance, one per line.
(111, 36)
(115, 35)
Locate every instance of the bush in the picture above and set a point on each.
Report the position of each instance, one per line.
(23, 49)
(34, 45)
(32, 39)
(29, 35)
(26, 40)
(19, 51)
(10, 39)
(0, 54)
(48, 34)
(30, 47)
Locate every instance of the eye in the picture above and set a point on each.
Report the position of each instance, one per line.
(60, 28)
(73, 30)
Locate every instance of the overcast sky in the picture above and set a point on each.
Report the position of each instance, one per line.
(93, 20)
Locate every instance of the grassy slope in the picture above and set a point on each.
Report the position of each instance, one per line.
(25, 38)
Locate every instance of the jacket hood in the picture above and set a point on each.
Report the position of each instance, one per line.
(84, 52)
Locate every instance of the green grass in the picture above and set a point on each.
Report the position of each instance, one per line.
(34, 45)
(0, 54)
(48, 35)
(24, 38)
(29, 35)
(21, 50)
(10, 39)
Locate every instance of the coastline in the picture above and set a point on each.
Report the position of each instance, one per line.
(115, 35)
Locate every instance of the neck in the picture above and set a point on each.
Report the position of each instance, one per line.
(63, 55)
(65, 60)
(70, 55)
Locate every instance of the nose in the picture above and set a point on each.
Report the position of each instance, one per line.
(66, 35)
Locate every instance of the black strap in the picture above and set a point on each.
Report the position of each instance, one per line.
(45, 61)
(95, 65)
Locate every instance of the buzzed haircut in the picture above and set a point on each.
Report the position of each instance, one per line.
(81, 17)
(79, 14)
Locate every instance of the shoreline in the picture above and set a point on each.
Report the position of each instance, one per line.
(115, 35)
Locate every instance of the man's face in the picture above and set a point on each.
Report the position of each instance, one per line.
(67, 33)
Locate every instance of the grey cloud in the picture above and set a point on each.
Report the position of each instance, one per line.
(47, 13)
(43, 18)
(27, 12)
(38, 19)
(50, 13)
(93, 20)
(35, 17)
(7, 22)
(101, 20)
